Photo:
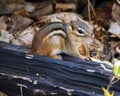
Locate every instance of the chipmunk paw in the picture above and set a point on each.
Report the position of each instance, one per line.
(57, 57)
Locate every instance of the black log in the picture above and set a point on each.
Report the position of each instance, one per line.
(22, 74)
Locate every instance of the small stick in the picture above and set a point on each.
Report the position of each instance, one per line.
(89, 11)
(66, 6)
(92, 9)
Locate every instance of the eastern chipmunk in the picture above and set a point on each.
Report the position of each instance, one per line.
(56, 38)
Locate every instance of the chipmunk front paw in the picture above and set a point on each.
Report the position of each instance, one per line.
(57, 57)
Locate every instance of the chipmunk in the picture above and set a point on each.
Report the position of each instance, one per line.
(55, 38)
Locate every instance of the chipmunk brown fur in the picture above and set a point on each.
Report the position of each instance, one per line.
(56, 38)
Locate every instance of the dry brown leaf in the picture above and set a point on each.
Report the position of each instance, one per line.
(114, 29)
(5, 36)
(3, 20)
(19, 24)
(100, 33)
(25, 37)
(21, 12)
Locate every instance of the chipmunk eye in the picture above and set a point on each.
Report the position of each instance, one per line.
(80, 30)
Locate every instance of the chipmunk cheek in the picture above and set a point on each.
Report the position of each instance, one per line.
(82, 50)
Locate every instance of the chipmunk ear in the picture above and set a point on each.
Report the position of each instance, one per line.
(70, 30)
(73, 25)
(76, 27)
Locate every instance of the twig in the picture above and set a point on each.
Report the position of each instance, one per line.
(93, 11)
(115, 81)
(110, 83)
(66, 6)
(89, 11)
(21, 91)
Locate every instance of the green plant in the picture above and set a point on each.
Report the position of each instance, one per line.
(107, 93)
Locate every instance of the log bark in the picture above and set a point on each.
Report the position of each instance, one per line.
(23, 74)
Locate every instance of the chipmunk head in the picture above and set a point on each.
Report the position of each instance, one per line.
(83, 28)
(83, 39)
(79, 34)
